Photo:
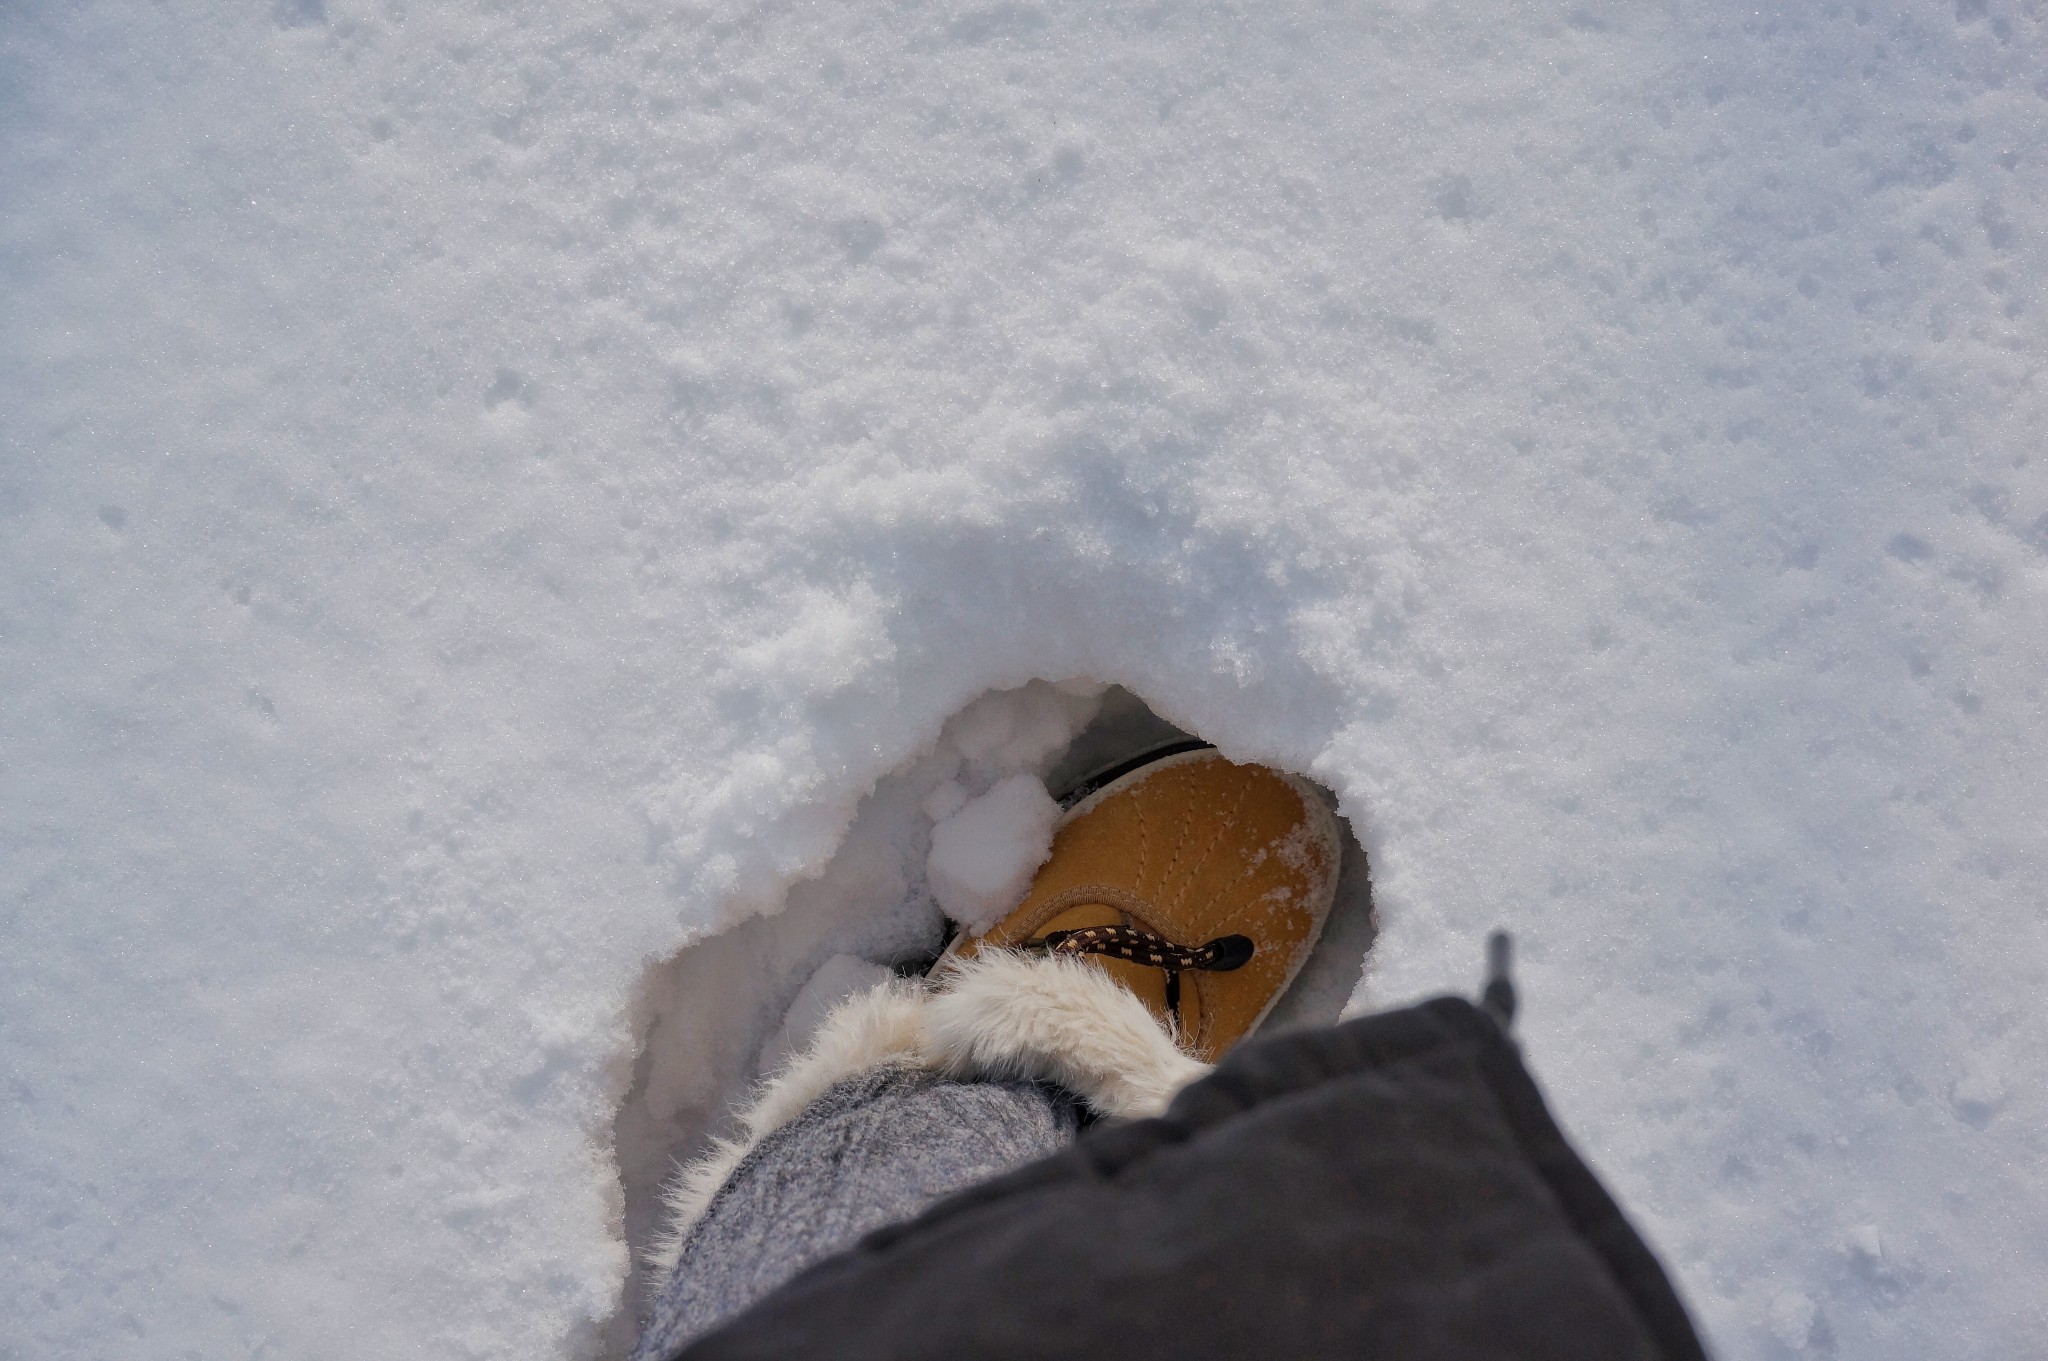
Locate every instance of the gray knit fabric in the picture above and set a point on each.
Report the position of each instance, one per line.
(873, 1150)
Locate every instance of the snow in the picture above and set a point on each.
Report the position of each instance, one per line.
(1792, 1318)
(1865, 1242)
(838, 978)
(487, 491)
(984, 854)
(948, 799)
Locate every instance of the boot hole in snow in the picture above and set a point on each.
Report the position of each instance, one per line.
(729, 1009)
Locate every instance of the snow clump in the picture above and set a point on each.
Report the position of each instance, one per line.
(837, 979)
(984, 855)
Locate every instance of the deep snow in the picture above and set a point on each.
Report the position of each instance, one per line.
(486, 489)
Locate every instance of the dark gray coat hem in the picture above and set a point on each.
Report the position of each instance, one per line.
(1391, 1188)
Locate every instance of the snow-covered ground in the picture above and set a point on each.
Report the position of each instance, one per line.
(486, 489)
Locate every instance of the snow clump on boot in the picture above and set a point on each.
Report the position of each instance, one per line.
(984, 854)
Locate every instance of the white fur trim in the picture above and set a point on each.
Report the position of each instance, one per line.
(884, 1025)
(1001, 1014)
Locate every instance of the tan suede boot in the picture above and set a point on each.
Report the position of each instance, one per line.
(1199, 884)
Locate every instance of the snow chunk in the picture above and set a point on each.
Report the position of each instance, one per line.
(1865, 1242)
(837, 979)
(1979, 1093)
(1792, 1316)
(1019, 729)
(984, 855)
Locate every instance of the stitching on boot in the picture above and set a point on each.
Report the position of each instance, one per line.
(1223, 825)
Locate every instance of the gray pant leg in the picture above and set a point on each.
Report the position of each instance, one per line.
(873, 1150)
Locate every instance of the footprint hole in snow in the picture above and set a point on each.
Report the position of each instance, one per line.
(959, 829)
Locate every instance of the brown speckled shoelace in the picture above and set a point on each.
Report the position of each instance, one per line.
(1142, 947)
(1220, 955)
